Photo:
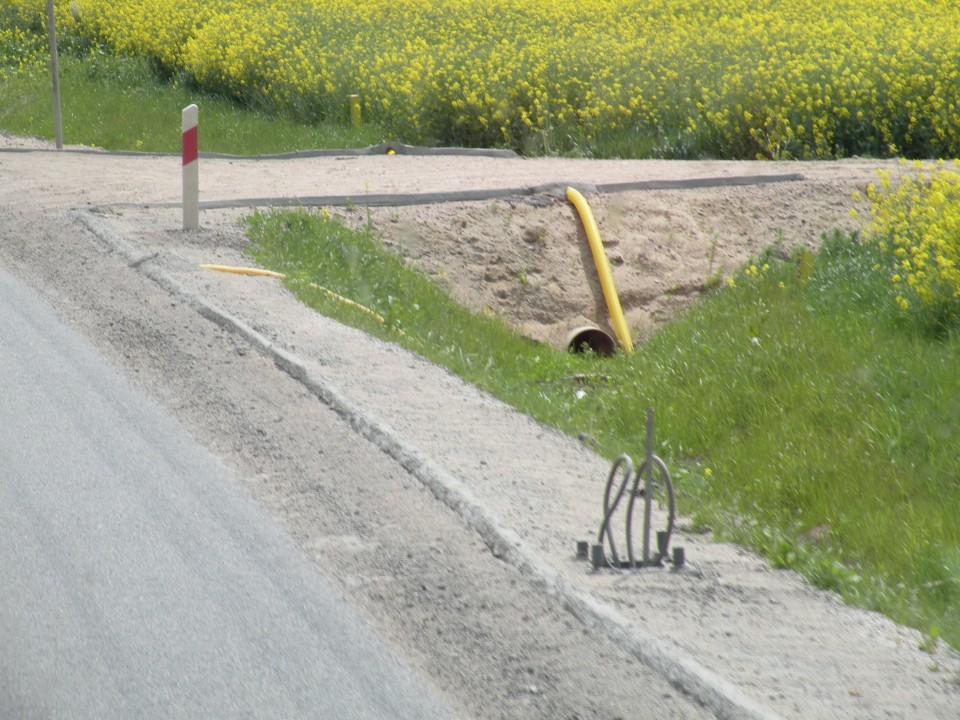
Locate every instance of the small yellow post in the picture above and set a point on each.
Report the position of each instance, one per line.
(355, 110)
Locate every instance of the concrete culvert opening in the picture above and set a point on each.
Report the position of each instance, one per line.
(591, 338)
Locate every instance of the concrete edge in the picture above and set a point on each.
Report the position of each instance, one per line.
(382, 148)
(556, 190)
(723, 698)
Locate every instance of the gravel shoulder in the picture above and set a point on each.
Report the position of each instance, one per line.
(492, 638)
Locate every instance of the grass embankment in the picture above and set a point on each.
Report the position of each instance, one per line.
(802, 415)
(125, 104)
(782, 409)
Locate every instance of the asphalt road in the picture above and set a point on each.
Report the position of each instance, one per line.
(138, 579)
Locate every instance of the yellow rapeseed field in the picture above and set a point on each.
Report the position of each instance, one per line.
(731, 78)
(916, 220)
(19, 48)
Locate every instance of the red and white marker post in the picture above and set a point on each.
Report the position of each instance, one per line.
(191, 169)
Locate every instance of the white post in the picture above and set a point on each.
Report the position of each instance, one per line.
(191, 169)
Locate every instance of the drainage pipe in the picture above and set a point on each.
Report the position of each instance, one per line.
(599, 341)
(603, 269)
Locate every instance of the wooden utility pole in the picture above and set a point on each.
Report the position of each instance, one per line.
(54, 74)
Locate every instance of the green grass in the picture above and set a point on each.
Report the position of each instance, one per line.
(120, 103)
(783, 404)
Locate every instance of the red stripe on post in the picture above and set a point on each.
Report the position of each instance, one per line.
(190, 147)
(189, 120)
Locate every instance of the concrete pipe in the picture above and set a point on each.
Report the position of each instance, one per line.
(590, 337)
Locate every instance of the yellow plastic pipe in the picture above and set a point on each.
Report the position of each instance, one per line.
(244, 271)
(280, 276)
(617, 320)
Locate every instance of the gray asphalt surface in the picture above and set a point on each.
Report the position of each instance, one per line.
(137, 579)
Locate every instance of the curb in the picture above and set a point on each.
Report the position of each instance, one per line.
(724, 699)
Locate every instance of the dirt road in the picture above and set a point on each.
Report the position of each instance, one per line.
(447, 519)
